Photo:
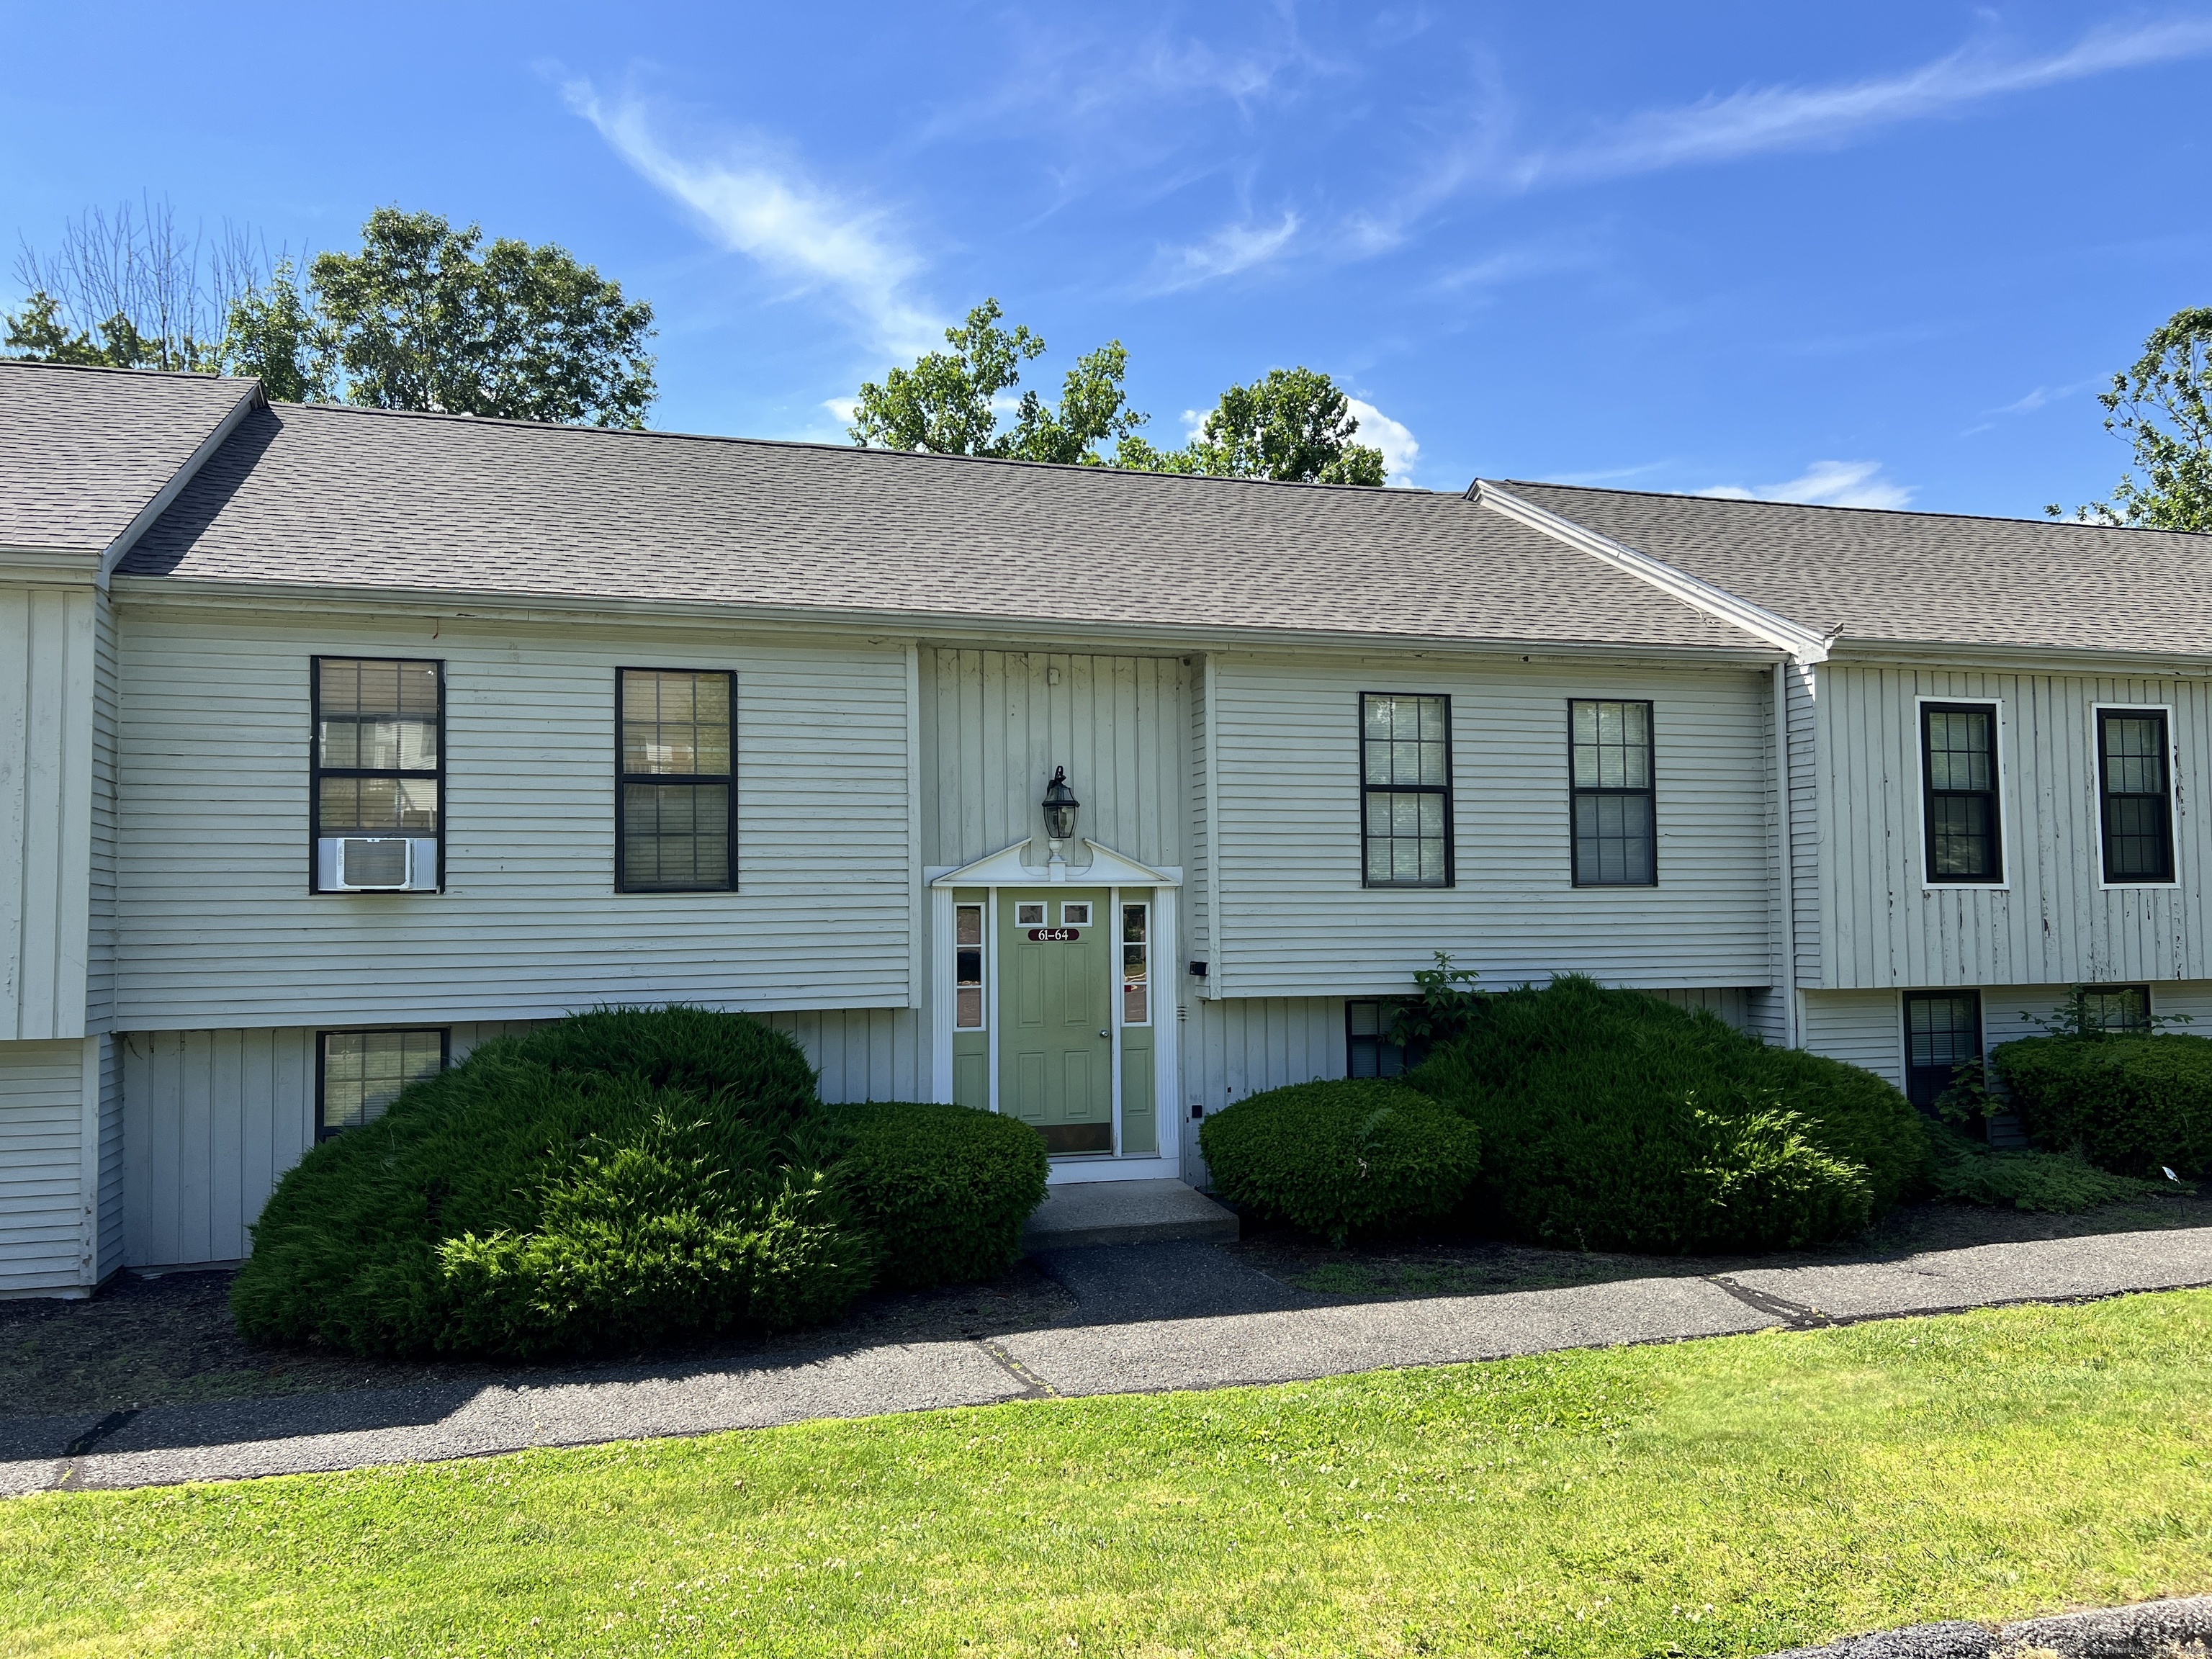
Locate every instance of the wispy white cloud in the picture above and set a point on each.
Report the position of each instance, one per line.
(843, 408)
(2041, 398)
(1761, 119)
(766, 207)
(1400, 448)
(1826, 483)
(1610, 475)
(1231, 249)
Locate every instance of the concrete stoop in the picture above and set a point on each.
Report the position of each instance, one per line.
(1127, 1212)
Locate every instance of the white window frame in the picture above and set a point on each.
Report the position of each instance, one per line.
(2009, 844)
(983, 909)
(2097, 792)
(1152, 972)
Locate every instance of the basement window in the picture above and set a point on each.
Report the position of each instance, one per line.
(359, 1073)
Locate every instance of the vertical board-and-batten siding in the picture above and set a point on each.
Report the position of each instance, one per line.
(47, 676)
(1292, 918)
(99, 972)
(216, 924)
(212, 1121)
(2054, 922)
(42, 1209)
(994, 724)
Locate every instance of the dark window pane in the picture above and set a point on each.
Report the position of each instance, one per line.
(363, 1071)
(2138, 813)
(1959, 768)
(676, 723)
(1615, 827)
(2119, 1007)
(1942, 1032)
(676, 835)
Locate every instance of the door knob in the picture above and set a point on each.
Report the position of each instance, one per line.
(1103, 1034)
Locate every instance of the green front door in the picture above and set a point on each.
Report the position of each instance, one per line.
(1056, 1026)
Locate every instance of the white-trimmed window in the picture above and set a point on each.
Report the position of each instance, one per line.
(1075, 915)
(967, 967)
(1136, 965)
(1029, 913)
(359, 1073)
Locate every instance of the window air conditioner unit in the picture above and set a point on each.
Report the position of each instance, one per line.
(377, 864)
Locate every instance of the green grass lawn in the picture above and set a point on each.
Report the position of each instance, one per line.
(1725, 1497)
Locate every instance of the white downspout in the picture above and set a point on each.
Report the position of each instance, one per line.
(1789, 859)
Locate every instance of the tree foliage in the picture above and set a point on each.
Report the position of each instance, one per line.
(419, 319)
(1293, 424)
(423, 316)
(2162, 406)
(132, 288)
(1290, 424)
(948, 402)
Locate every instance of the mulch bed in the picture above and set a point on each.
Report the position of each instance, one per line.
(170, 1341)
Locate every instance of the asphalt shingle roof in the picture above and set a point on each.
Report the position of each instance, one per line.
(1921, 578)
(331, 495)
(82, 451)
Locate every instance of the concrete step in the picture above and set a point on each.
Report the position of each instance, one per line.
(1125, 1213)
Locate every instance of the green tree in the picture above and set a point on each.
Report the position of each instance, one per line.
(272, 335)
(2162, 406)
(1293, 424)
(419, 319)
(947, 403)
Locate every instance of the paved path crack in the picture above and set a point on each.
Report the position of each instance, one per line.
(1795, 1315)
(1033, 1386)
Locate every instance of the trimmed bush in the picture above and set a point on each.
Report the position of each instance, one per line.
(2130, 1102)
(1612, 1120)
(2059, 1183)
(544, 1197)
(1340, 1159)
(944, 1189)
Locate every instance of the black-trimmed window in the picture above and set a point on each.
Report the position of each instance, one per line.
(1959, 784)
(676, 796)
(1616, 830)
(359, 1073)
(1942, 1032)
(2134, 794)
(377, 764)
(1404, 790)
(1368, 1048)
(2125, 1008)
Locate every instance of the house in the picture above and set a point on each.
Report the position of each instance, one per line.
(333, 741)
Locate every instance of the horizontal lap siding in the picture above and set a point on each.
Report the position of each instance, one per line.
(46, 758)
(41, 1167)
(1293, 918)
(217, 926)
(2054, 924)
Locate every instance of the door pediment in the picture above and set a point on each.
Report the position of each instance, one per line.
(1007, 867)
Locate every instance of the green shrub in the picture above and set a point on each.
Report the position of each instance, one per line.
(2130, 1102)
(1612, 1120)
(944, 1189)
(540, 1198)
(1342, 1157)
(2059, 1183)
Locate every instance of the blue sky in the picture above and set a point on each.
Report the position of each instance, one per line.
(1877, 253)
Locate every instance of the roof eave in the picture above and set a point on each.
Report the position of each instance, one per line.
(166, 497)
(999, 632)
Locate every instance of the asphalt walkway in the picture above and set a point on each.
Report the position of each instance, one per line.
(1148, 1317)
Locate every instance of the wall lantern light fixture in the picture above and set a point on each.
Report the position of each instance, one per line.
(1060, 806)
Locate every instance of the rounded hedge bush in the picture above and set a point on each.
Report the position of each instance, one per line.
(944, 1189)
(2133, 1103)
(612, 1179)
(1341, 1157)
(1612, 1120)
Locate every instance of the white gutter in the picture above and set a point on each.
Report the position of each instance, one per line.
(1784, 837)
(1717, 602)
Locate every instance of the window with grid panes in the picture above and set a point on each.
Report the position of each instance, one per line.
(1616, 837)
(2135, 796)
(378, 761)
(1370, 1048)
(1136, 965)
(967, 967)
(1405, 790)
(1942, 1032)
(2118, 1007)
(1958, 773)
(676, 796)
(358, 1073)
